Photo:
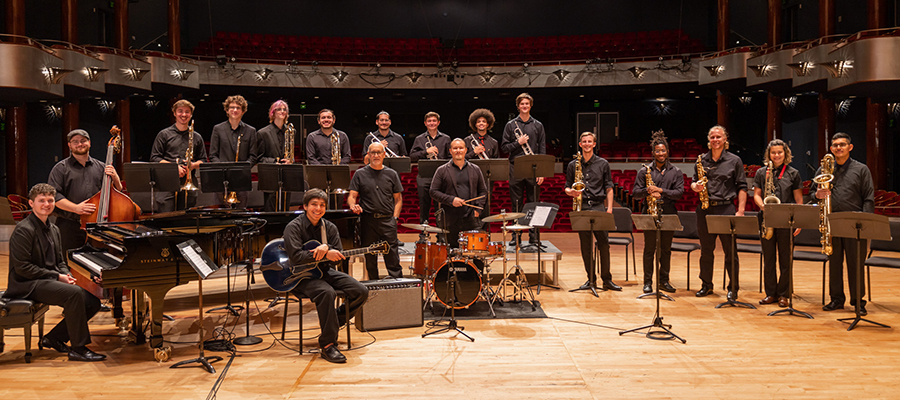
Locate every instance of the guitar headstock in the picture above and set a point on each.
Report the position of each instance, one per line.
(116, 139)
(381, 247)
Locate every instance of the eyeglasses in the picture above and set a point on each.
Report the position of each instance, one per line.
(235, 108)
(840, 145)
(281, 110)
(76, 141)
(376, 153)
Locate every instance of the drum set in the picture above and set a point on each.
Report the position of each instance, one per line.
(468, 267)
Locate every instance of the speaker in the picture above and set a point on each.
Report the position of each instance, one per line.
(392, 304)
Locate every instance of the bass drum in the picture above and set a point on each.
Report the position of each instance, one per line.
(468, 284)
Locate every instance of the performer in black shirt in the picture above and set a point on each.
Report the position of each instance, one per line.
(376, 193)
(76, 179)
(227, 136)
(38, 272)
(454, 183)
(597, 195)
(726, 181)
(432, 144)
(318, 142)
(532, 134)
(786, 180)
(389, 138)
(311, 226)
(480, 122)
(170, 146)
(851, 190)
(271, 149)
(667, 188)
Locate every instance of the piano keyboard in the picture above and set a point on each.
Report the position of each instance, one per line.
(97, 261)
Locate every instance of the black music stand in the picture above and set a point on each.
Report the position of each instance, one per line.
(733, 225)
(333, 179)
(791, 216)
(660, 223)
(400, 164)
(861, 226)
(150, 177)
(592, 221)
(533, 167)
(281, 178)
(493, 169)
(539, 215)
(224, 177)
(204, 266)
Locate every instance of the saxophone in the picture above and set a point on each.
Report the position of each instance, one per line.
(289, 142)
(770, 198)
(188, 159)
(701, 174)
(824, 181)
(652, 202)
(578, 184)
(335, 149)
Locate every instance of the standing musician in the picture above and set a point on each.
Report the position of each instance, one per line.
(518, 133)
(480, 142)
(271, 149)
(318, 142)
(432, 144)
(76, 178)
(38, 272)
(667, 188)
(598, 196)
(726, 181)
(391, 139)
(453, 185)
(311, 226)
(170, 147)
(376, 193)
(786, 182)
(232, 137)
(851, 190)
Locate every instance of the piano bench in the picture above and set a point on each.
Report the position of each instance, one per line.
(340, 296)
(17, 313)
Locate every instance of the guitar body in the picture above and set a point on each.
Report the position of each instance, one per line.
(281, 276)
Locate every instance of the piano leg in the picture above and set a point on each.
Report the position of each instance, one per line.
(157, 296)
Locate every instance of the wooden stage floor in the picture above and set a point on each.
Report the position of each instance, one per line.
(576, 353)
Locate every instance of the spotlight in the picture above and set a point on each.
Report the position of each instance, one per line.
(761, 70)
(837, 68)
(54, 75)
(53, 112)
(715, 70)
(414, 76)
(181, 74)
(93, 73)
(561, 74)
(106, 106)
(789, 102)
(263, 74)
(745, 100)
(637, 72)
(801, 68)
(487, 76)
(340, 75)
(135, 74)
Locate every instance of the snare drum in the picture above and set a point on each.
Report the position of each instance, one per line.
(496, 249)
(468, 283)
(474, 243)
(428, 257)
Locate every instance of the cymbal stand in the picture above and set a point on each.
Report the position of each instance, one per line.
(202, 360)
(520, 284)
(451, 325)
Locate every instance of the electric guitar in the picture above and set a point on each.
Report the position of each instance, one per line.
(281, 276)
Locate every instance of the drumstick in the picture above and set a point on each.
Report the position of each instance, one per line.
(473, 199)
(473, 206)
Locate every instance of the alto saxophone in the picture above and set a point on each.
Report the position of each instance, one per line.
(289, 132)
(824, 181)
(702, 180)
(335, 148)
(652, 202)
(578, 184)
(767, 233)
(189, 158)
(231, 197)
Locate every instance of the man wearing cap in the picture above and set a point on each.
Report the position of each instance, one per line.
(76, 179)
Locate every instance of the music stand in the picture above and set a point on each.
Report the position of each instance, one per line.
(791, 216)
(733, 225)
(861, 226)
(534, 166)
(539, 215)
(334, 179)
(280, 178)
(225, 177)
(400, 164)
(493, 169)
(204, 266)
(592, 221)
(150, 177)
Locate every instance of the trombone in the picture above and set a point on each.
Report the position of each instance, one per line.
(387, 150)
(231, 197)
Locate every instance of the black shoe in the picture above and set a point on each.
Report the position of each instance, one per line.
(731, 296)
(834, 305)
(862, 311)
(704, 291)
(586, 285)
(331, 354)
(60, 347)
(610, 285)
(667, 287)
(648, 287)
(85, 354)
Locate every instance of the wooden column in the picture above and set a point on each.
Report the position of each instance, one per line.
(876, 142)
(15, 17)
(723, 26)
(69, 123)
(774, 25)
(826, 124)
(773, 118)
(877, 14)
(123, 120)
(826, 18)
(16, 150)
(175, 27)
(69, 20)
(723, 110)
(121, 25)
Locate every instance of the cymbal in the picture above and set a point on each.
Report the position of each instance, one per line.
(516, 227)
(424, 228)
(503, 217)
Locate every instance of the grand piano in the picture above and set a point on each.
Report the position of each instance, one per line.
(143, 256)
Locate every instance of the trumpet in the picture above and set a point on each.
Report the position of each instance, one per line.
(475, 144)
(578, 184)
(525, 146)
(429, 145)
(335, 149)
(231, 197)
(289, 132)
(770, 197)
(387, 150)
(824, 181)
(189, 158)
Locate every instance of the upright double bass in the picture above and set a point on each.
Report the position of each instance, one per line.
(112, 205)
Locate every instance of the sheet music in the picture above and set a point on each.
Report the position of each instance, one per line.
(198, 262)
(541, 213)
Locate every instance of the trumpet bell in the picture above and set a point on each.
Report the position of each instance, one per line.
(232, 198)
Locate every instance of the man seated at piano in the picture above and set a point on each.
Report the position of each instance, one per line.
(311, 226)
(38, 272)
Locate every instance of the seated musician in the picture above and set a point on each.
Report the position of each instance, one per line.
(38, 271)
(311, 226)
(453, 184)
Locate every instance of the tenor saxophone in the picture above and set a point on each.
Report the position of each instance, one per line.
(770, 198)
(824, 181)
(335, 149)
(578, 184)
(652, 202)
(702, 180)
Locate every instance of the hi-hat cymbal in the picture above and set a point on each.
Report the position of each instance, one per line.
(424, 228)
(516, 227)
(503, 217)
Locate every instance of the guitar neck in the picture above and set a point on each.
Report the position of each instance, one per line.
(355, 252)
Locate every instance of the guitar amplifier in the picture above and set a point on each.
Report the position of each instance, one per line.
(392, 304)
